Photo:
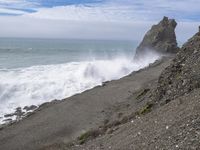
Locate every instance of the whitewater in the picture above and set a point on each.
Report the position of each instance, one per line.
(37, 84)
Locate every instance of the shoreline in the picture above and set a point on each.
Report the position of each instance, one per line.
(66, 120)
(22, 112)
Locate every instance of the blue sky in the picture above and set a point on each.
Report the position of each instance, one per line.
(114, 17)
(29, 6)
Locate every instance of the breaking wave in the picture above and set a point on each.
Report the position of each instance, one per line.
(38, 84)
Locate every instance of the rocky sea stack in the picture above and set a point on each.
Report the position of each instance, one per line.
(160, 38)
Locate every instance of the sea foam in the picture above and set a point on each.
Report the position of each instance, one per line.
(38, 84)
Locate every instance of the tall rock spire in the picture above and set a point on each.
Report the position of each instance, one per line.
(160, 38)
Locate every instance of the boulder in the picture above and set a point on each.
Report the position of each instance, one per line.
(18, 113)
(160, 38)
(30, 108)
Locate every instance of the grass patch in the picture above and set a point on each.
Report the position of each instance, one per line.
(88, 135)
(83, 137)
(146, 109)
(142, 93)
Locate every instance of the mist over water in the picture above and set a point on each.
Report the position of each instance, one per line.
(49, 73)
(18, 53)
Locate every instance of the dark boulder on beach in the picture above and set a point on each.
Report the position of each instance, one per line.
(183, 75)
(30, 108)
(18, 112)
(160, 38)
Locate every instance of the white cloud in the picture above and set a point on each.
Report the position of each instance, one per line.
(11, 1)
(22, 26)
(11, 11)
(17, 3)
(115, 19)
(119, 10)
(111, 10)
(16, 7)
(163, 5)
(84, 13)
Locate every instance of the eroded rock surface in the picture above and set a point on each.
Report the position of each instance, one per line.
(183, 75)
(160, 38)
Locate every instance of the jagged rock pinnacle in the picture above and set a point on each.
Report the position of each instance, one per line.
(160, 38)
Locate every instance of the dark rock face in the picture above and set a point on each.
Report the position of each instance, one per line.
(160, 38)
(183, 75)
(19, 113)
(30, 108)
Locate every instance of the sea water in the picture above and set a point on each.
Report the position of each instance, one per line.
(34, 71)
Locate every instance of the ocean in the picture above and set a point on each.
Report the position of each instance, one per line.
(34, 71)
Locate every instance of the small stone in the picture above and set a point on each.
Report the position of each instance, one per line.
(195, 51)
(167, 127)
(109, 131)
(197, 132)
(184, 82)
(169, 92)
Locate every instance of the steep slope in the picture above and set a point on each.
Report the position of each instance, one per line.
(64, 121)
(173, 125)
(183, 75)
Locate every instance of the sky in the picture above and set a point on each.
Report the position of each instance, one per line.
(95, 19)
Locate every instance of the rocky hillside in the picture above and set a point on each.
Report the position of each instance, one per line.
(160, 38)
(183, 75)
(170, 116)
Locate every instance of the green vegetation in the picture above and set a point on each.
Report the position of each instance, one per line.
(147, 108)
(87, 135)
(82, 138)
